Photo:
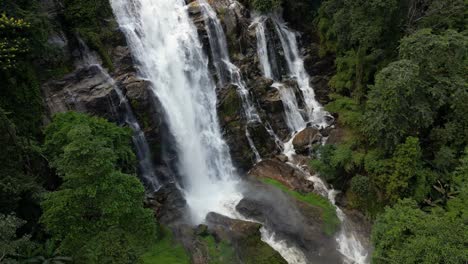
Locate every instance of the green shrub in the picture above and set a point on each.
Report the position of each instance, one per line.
(265, 6)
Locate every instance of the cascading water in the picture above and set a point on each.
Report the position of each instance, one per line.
(223, 65)
(348, 244)
(143, 153)
(316, 114)
(294, 119)
(165, 44)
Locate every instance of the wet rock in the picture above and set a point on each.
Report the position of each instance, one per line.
(168, 204)
(245, 237)
(85, 90)
(263, 141)
(296, 223)
(284, 173)
(304, 139)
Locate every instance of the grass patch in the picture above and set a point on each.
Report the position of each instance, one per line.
(166, 251)
(329, 217)
(220, 253)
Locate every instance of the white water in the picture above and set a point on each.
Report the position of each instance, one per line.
(262, 47)
(143, 153)
(223, 65)
(294, 119)
(165, 44)
(297, 70)
(291, 254)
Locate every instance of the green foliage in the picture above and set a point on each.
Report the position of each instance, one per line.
(255, 251)
(17, 181)
(47, 253)
(335, 162)
(10, 244)
(330, 220)
(92, 20)
(397, 105)
(220, 253)
(359, 32)
(408, 179)
(13, 40)
(97, 214)
(265, 6)
(445, 14)
(70, 129)
(349, 110)
(360, 186)
(405, 234)
(166, 250)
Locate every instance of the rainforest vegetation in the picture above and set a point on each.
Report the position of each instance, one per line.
(68, 186)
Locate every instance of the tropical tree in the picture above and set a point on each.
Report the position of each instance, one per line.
(97, 214)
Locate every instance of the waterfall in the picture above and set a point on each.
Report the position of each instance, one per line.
(347, 243)
(262, 48)
(165, 45)
(315, 112)
(223, 65)
(294, 118)
(143, 152)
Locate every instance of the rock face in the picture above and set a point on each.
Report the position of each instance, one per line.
(85, 90)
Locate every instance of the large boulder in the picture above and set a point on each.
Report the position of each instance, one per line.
(305, 139)
(245, 237)
(288, 175)
(295, 223)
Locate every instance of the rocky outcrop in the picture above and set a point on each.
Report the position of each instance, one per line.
(294, 222)
(245, 237)
(291, 177)
(85, 90)
(305, 139)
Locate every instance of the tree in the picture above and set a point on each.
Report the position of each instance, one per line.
(13, 40)
(16, 183)
(360, 32)
(406, 234)
(97, 214)
(397, 105)
(408, 178)
(10, 243)
(442, 63)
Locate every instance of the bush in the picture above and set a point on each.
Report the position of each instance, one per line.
(265, 6)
